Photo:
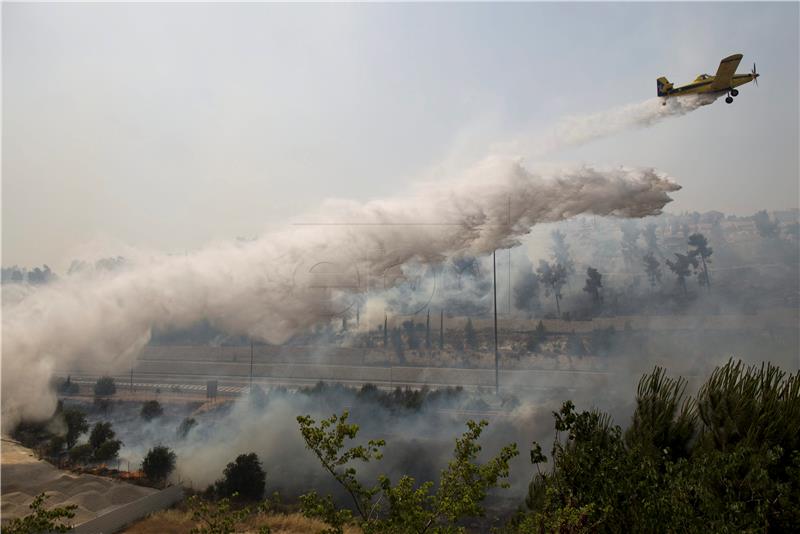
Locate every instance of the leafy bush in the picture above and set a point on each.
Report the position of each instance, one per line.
(218, 518)
(727, 461)
(158, 463)
(244, 477)
(536, 337)
(41, 520)
(76, 423)
(55, 446)
(186, 426)
(151, 409)
(32, 433)
(406, 506)
(105, 386)
(81, 453)
(101, 432)
(102, 447)
(406, 399)
(107, 451)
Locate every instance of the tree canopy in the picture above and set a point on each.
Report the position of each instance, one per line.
(727, 460)
(244, 476)
(158, 463)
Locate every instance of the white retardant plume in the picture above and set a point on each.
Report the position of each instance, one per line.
(286, 281)
(575, 130)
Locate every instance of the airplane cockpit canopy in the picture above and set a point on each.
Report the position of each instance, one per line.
(702, 77)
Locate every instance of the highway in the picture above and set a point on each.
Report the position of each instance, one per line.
(191, 376)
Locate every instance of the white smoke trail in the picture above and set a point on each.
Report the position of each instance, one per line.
(575, 130)
(287, 281)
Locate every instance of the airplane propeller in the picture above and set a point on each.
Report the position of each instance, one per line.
(755, 75)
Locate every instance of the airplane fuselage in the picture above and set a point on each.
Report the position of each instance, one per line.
(705, 85)
(724, 81)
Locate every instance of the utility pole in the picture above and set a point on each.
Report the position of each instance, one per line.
(428, 330)
(496, 358)
(441, 329)
(509, 258)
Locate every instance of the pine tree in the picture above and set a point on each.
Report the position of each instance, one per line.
(701, 249)
(682, 268)
(652, 268)
(594, 282)
(552, 277)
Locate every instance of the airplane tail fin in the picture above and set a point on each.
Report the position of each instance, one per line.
(663, 86)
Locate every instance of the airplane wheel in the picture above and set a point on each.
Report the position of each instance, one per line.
(729, 100)
(735, 92)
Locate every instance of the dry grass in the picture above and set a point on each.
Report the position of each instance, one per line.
(172, 521)
(294, 524)
(178, 521)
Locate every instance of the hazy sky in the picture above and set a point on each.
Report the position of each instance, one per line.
(168, 126)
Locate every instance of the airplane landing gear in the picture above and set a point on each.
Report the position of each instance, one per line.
(734, 92)
(729, 100)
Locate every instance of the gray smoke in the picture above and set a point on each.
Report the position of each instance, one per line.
(287, 281)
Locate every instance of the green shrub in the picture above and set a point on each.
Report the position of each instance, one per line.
(81, 453)
(101, 432)
(105, 386)
(76, 423)
(244, 477)
(41, 520)
(726, 461)
(107, 451)
(151, 409)
(405, 506)
(186, 426)
(158, 463)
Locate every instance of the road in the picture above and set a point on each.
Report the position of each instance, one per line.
(191, 377)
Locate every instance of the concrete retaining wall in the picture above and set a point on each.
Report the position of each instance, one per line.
(128, 513)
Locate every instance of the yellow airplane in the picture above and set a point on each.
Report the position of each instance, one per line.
(724, 81)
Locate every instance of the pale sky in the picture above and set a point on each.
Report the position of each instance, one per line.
(169, 126)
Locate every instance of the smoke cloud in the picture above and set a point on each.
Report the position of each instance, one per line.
(287, 281)
(284, 282)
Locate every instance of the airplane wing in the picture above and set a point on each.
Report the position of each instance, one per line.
(727, 68)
